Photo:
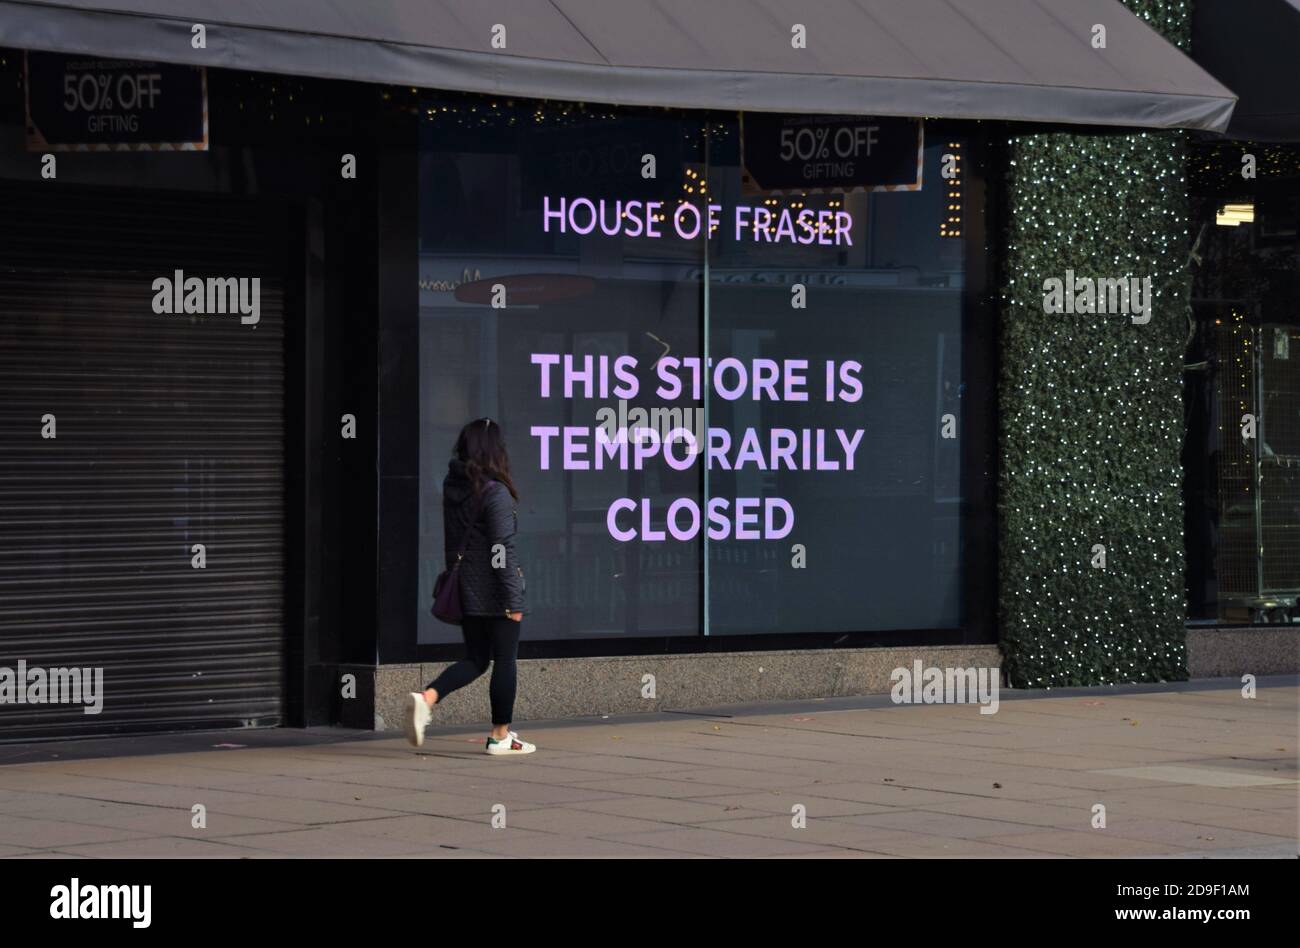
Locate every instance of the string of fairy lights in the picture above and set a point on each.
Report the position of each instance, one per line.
(1091, 407)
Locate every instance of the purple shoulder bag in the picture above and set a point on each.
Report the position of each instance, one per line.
(446, 588)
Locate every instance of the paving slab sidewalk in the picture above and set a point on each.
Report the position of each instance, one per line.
(1182, 773)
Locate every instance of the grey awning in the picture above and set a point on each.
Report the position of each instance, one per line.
(1019, 60)
(1255, 47)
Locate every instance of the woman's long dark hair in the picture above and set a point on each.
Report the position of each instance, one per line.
(482, 448)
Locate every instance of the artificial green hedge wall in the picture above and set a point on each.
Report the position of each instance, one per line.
(1091, 407)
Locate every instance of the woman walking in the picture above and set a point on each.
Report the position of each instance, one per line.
(480, 519)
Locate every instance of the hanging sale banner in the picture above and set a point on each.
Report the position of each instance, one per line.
(80, 103)
(808, 154)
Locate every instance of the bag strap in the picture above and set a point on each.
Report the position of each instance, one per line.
(478, 509)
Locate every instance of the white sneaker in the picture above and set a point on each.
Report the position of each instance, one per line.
(510, 744)
(417, 716)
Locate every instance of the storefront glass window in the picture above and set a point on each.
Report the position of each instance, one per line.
(573, 304)
(876, 501)
(812, 479)
(1241, 455)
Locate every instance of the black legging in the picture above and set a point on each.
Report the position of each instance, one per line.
(494, 638)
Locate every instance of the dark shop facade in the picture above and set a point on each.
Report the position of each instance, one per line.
(759, 302)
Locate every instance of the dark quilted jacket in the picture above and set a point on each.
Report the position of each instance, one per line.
(485, 590)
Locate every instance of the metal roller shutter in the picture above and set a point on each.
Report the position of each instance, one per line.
(170, 432)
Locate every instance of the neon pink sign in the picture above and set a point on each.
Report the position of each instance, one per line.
(582, 216)
(630, 439)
